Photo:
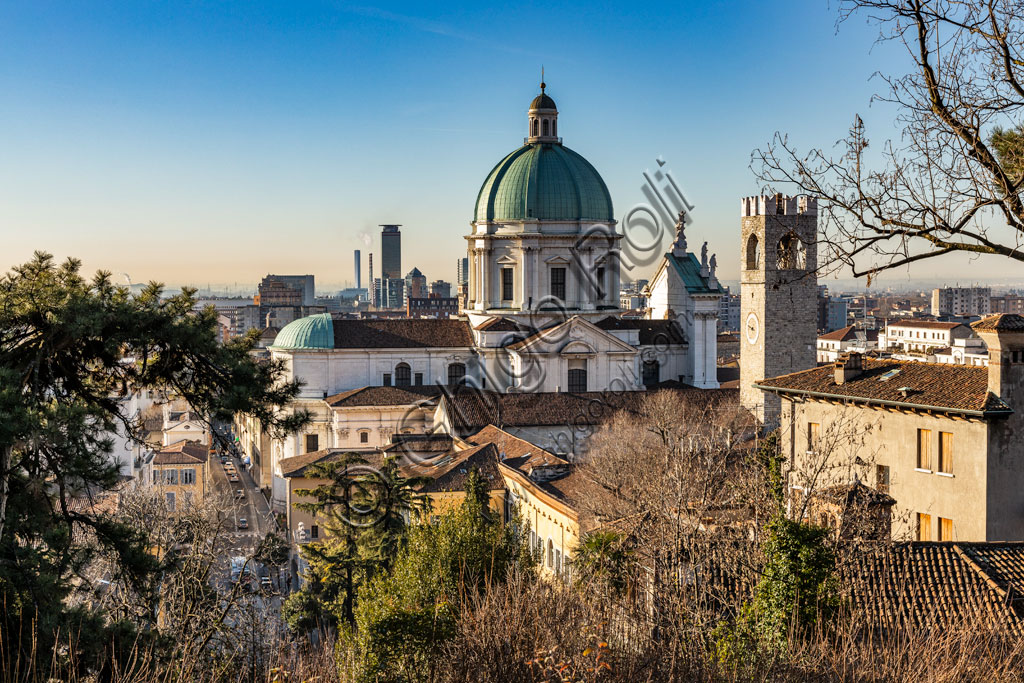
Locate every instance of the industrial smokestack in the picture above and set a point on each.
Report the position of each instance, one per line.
(359, 275)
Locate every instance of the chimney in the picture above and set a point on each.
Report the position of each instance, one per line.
(849, 366)
(1004, 335)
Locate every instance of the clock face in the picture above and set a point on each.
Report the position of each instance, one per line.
(753, 328)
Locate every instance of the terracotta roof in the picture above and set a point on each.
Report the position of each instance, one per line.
(498, 324)
(651, 331)
(448, 472)
(420, 443)
(915, 585)
(515, 452)
(933, 386)
(182, 453)
(403, 333)
(1009, 322)
(926, 324)
(842, 334)
(296, 465)
(382, 396)
(472, 409)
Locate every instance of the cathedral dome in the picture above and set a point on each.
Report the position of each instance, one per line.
(543, 101)
(311, 332)
(544, 181)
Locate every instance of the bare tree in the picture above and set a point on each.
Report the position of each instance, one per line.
(952, 181)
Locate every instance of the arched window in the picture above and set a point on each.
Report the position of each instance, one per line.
(577, 376)
(403, 375)
(753, 253)
(545, 127)
(551, 554)
(790, 252)
(652, 372)
(456, 374)
(554, 128)
(536, 127)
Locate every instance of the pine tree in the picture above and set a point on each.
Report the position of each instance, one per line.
(70, 351)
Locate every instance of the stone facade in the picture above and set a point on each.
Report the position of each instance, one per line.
(779, 290)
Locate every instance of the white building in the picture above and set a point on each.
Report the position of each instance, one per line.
(964, 351)
(542, 311)
(845, 340)
(920, 336)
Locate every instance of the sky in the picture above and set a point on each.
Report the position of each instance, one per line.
(215, 142)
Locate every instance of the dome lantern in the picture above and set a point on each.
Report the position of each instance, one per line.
(543, 119)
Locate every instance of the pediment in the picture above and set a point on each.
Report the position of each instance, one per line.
(573, 336)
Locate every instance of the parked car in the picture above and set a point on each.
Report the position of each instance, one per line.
(239, 493)
(243, 523)
(266, 584)
(234, 479)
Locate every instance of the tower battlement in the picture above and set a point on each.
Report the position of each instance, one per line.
(775, 205)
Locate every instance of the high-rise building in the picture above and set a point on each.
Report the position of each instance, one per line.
(962, 301)
(359, 274)
(286, 290)
(391, 252)
(440, 289)
(416, 284)
(462, 271)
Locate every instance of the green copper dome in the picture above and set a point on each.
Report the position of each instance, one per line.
(545, 181)
(312, 332)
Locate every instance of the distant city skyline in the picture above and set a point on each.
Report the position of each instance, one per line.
(195, 144)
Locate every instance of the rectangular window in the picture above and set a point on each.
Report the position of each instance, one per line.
(387, 379)
(188, 476)
(946, 452)
(171, 477)
(507, 279)
(882, 478)
(924, 527)
(600, 283)
(418, 381)
(312, 443)
(314, 531)
(170, 500)
(364, 437)
(558, 283)
(813, 432)
(945, 529)
(924, 449)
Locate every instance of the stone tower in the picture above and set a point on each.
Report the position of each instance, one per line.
(779, 290)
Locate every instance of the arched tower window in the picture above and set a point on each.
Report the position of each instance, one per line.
(753, 256)
(554, 127)
(456, 374)
(790, 252)
(545, 127)
(403, 375)
(536, 127)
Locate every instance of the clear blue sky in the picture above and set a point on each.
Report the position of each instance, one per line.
(195, 142)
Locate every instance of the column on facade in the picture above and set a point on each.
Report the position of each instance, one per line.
(525, 272)
(612, 267)
(485, 258)
(711, 347)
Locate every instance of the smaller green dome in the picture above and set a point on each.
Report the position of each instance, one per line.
(311, 332)
(542, 101)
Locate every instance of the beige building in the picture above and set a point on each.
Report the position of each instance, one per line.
(943, 440)
(180, 472)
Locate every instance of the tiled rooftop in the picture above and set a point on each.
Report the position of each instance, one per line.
(402, 334)
(935, 386)
(182, 453)
(382, 396)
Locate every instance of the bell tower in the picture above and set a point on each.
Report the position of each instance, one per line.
(779, 291)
